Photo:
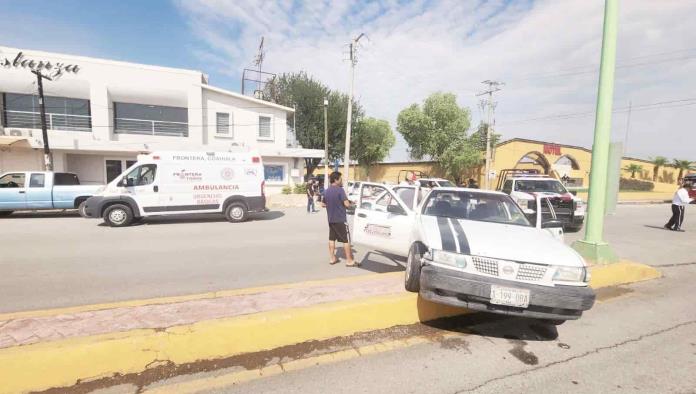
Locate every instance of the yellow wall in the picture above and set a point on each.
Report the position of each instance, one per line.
(508, 154)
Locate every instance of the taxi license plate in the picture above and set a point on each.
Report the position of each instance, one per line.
(509, 296)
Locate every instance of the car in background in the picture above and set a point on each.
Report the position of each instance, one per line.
(476, 249)
(434, 182)
(42, 190)
(691, 178)
(523, 188)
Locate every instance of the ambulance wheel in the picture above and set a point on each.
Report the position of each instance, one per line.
(5, 213)
(118, 215)
(236, 212)
(413, 268)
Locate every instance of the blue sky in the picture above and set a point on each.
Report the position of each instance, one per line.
(141, 31)
(546, 51)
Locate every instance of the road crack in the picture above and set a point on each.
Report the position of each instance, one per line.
(579, 356)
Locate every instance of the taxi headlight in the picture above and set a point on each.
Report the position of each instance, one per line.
(570, 274)
(448, 258)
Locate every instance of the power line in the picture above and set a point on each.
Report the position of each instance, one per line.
(642, 107)
(493, 86)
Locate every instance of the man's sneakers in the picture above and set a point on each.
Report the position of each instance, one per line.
(668, 227)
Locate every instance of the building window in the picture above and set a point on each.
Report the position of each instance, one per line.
(150, 120)
(274, 173)
(265, 132)
(62, 113)
(223, 124)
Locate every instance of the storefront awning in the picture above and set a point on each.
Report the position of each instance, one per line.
(9, 141)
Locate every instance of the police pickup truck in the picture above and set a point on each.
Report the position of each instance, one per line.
(38, 190)
(476, 249)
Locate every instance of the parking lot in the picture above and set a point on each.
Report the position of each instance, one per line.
(52, 260)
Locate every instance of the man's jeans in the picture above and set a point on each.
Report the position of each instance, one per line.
(310, 204)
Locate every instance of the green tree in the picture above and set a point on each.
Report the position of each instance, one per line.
(658, 161)
(460, 156)
(433, 127)
(633, 168)
(683, 165)
(478, 138)
(371, 142)
(438, 130)
(307, 95)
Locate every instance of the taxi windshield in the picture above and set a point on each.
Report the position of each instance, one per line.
(482, 207)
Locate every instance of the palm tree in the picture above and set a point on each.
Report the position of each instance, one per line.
(683, 165)
(658, 162)
(633, 168)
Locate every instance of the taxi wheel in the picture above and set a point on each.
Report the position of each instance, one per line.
(118, 215)
(413, 268)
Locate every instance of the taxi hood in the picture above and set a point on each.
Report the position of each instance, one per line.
(499, 241)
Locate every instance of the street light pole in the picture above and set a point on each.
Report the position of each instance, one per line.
(326, 144)
(346, 154)
(48, 163)
(592, 246)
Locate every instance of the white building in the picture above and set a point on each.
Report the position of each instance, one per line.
(101, 114)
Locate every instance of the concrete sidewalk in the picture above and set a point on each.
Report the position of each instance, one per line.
(64, 348)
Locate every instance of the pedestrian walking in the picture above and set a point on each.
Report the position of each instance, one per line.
(679, 202)
(310, 197)
(336, 201)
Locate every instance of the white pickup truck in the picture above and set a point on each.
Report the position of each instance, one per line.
(38, 190)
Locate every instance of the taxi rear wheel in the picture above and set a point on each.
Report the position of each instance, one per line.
(413, 268)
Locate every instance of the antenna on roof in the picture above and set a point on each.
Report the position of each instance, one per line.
(258, 62)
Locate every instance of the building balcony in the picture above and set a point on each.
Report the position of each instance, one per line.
(59, 122)
(151, 127)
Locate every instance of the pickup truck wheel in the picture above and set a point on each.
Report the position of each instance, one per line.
(81, 209)
(5, 213)
(118, 215)
(236, 212)
(413, 268)
(554, 322)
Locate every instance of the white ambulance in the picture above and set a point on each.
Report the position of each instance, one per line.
(175, 183)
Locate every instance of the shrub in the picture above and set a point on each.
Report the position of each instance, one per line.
(300, 188)
(287, 190)
(635, 185)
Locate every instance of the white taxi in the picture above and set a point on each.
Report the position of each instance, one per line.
(476, 249)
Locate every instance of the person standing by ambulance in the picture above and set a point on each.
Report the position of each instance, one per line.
(679, 202)
(336, 201)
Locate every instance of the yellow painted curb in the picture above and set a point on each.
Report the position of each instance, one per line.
(621, 273)
(62, 363)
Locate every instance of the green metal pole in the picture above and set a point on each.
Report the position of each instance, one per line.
(593, 247)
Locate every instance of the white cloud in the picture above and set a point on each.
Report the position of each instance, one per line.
(546, 51)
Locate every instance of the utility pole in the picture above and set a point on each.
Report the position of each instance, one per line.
(493, 86)
(592, 246)
(628, 127)
(326, 143)
(353, 47)
(48, 163)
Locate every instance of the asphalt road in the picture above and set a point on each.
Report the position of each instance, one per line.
(54, 260)
(639, 338)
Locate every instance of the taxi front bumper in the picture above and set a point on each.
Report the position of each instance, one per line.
(473, 292)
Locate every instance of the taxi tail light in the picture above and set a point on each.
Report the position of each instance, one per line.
(256, 159)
